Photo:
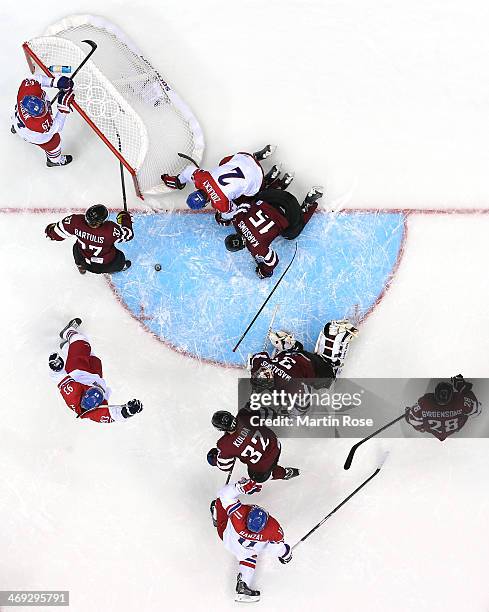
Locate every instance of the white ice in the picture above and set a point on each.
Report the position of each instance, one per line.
(385, 103)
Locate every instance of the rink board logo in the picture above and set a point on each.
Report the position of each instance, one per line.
(204, 297)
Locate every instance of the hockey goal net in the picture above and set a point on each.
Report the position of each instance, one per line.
(123, 98)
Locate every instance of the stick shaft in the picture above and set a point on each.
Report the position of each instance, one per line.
(365, 482)
(266, 301)
(231, 471)
(82, 63)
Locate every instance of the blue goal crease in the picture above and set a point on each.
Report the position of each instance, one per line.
(204, 297)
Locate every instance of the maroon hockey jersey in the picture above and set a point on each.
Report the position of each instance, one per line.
(259, 226)
(254, 445)
(96, 243)
(442, 421)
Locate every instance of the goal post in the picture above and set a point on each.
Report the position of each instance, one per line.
(123, 98)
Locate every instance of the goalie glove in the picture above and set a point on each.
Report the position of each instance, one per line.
(287, 556)
(65, 100)
(56, 362)
(63, 82)
(173, 182)
(131, 408)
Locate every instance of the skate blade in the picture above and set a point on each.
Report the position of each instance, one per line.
(241, 598)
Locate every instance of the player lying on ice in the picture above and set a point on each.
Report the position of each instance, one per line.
(273, 213)
(290, 363)
(444, 412)
(33, 118)
(254, 445)
(237, 178)
(80, 380)
(247, 531)
(94, 249)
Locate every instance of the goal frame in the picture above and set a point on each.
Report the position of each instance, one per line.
(33, 60)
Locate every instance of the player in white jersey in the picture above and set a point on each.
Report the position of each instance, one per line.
(229, 185)
(247, 531)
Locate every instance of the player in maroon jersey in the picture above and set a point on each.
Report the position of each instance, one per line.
(253, 444)
(291, 365)
(80, 381)
(247, 531)
(273, 213)
(33, 119)
(94, 249)
(445, 411)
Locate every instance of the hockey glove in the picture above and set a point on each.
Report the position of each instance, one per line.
(248, 486)
(63, 82)
(49, 231)
(212, 457)
(131, 408)
(220, 220)
(121, 215)
(263, 271)
(287, 556)
(459, 384)
(65, 99)
(56, 362)
(173, 182)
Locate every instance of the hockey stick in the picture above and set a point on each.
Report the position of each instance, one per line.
(82, 63)
(266, 301)
(379, 467)
(188, 158)
(274, 314)
(231, 471)
(353, 449)
(121, 168)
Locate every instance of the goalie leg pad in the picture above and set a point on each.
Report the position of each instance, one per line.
(334, 339)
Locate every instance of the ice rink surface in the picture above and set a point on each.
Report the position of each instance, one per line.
(386, 104)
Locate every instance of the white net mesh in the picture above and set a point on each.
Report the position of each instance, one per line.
(125, 97)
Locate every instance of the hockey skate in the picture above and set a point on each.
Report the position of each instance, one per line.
(244, 593)
(64, 160)
(314, 194)
(81, 269)
(265, 152)
(271, 176)
(127, 265)
(213, 512)
(73, 325)
(290, 473)
(12, 130)
(285, 181)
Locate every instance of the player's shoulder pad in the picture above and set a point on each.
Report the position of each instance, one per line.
(225, 160)
(273, 531)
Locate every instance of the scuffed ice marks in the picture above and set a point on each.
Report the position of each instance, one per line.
(204, 297)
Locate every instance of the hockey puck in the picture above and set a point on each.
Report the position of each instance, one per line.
(157, 267)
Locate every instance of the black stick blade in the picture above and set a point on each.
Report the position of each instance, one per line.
(351, 454)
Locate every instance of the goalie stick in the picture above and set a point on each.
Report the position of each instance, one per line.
(365, 482)
(266, 301)
(353, 449)
(82, 63)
